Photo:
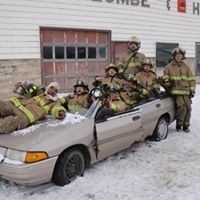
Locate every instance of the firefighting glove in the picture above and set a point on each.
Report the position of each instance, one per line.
(61, 114)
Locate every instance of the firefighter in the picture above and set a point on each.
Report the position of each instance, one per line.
(179, 79)
(148, 78)
(131, 62)
(20, 112)
(80, 97)
(132, 92)
(111, 77)
(114, 100)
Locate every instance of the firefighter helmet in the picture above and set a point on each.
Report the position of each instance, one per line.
(114, 88)
(178, 50)
(31, 89)
(135, 40)
(130, 77)
(80, 83)
(111, 65)
(147, 61)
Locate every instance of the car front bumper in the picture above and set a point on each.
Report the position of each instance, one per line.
(29, 174)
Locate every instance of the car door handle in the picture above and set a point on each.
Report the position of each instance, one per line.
(135, 117)
(158, 105)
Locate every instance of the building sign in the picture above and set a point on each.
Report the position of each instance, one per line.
(181, 4)
(143, 3)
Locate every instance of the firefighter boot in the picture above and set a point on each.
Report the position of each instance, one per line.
(186, 129)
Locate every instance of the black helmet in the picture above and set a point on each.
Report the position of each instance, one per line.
(135, 40)
(31, 89)
(80, 83)
(147, 61)
(178, 50)
(111, 65)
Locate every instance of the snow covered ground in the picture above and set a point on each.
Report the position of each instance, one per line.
(167, 170)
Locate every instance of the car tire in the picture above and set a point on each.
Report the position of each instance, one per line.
(69, 166)
(161, 130)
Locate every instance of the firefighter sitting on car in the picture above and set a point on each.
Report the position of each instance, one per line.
(131, 92)
(148, 78)
(20, 112)
(111, 77)
(79, 99)
(114, 100)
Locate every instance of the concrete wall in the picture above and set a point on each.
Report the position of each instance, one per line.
(12, 71)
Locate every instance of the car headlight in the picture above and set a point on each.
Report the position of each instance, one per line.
(26, 157)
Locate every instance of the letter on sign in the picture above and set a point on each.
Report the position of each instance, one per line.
(181, 6)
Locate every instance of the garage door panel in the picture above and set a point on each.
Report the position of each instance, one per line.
(48, 68)
(60, 68)
(59, 36)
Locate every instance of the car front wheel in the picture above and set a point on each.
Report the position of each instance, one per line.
(69, 166)
(161, 130)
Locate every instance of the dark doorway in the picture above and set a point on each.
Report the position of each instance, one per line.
(198, 58)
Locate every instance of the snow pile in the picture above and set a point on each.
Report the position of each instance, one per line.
(30, 129)
(69, 119)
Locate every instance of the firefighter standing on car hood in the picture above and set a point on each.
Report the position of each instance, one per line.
(20, 112)
(131, 62)
(181, 83)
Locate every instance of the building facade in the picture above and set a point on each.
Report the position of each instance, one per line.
(44, 41)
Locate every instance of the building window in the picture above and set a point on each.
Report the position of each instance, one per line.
(81, 52)
(59, 52)
(92, 52)
(163, 53)
(47, 52)
(71, 52)
(102, 52)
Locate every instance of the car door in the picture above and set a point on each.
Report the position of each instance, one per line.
(118, 132)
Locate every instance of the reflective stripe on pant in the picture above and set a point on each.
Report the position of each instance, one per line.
(183, 110)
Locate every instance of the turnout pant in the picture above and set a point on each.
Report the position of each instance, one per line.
(183, 110)
(11, 118)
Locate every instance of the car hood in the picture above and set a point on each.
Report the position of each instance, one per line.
(47, 135)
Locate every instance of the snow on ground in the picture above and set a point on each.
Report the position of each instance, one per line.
(167, 170)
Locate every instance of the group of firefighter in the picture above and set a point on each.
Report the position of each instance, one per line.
(125, 84)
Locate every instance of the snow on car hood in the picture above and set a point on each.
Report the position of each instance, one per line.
(39, 132)
(69, 119)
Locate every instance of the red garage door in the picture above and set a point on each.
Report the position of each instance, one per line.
(68, 55)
